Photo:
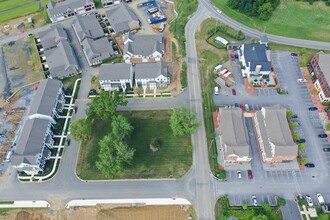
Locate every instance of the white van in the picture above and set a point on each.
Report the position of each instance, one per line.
(216, 90)
(301, 80)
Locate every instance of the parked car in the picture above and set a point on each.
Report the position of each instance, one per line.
(242, 107)
(239, 174)
(216, 90)
(320, 198)
(236, 105)
(309, 165)
(30, 35)
(247, 107)
(326, 149)
(67, 142)
(312, 109)
(309, 200)
(301, 141)
(232, 56)
(254, 200)
(294, 54)
(236, 56)
(250, 175)
(323, 135)
(75, 109)
(294, 116)
(233, 91)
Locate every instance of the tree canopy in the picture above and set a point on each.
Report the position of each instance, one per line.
(104, 105)
(121, 128)
(262, 9)
(183, 121)
(113, 155)
(80, 129)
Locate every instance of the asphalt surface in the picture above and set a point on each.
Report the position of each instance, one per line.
(198, 186)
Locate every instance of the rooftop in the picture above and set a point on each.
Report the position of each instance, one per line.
(50, 38)
(255, 54)
(120, 16)
(234, 132)
(55, 8)
(324, 64)
(88, 27)
(144, 45)
(115, 71)
(99, 49)
(46, 97)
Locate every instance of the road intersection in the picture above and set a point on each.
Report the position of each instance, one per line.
(198, 185)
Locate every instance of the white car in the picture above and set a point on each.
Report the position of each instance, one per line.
(239, 174)
(254, 200)
(219, 11)
(320, 198)
(309, 200)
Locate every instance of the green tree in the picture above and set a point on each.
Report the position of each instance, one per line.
(224, 201)
(266, 207)
(104, 105)
(113, 155)
(244, 206)
(121, 128)
(289, 114)
(328, 127)
(265, 11)
(183, 121)
(302, 201)
(301, 147)
(302, 160)
(281, 201)
(293, 125)
(260, 217)
(296, 137)
(302, 51)
(80, 129)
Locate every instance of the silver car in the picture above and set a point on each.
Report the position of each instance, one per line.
(254, 200)
(309, 200)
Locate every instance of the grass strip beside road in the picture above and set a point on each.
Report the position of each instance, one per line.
(22, 11)
(173, 159)
(6, 5)
(296, 19)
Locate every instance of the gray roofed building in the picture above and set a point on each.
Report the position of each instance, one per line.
(106, 3)
(97, 50)
(233, 136)
(61, 10)
(87, 27)
(122, 18)
(151, 70)
(50, 38)
(31, 152)
(319, 68)
(274, 136)
(61, 61)
(48, 100)
(324, 64)
(117, 76)
(143, 46)
(255, 54)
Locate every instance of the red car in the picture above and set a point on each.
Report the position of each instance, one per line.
(242, 107)
(250, 175)
(232, 56)
(233, 91)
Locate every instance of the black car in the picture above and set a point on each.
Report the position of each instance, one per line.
(236, 105)
(323, 135)
(326, 149)
(294, 116)
(312, 109)
(301, 141)
(75, 109)
(236, 56)
(309, 165)
(294, 54)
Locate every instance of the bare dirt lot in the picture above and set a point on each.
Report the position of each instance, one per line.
(101, 213)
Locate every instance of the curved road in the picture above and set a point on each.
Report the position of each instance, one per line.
(198, 186)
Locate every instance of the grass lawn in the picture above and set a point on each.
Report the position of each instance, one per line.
(69, 82)
(297, 19)
(5, 4)
(22, 11)
(208, 57)
(172, 160)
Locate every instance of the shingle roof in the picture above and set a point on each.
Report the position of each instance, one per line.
(234, 132)
(61, 60)
(144, 45)
(256, 55)
(324, 64)
(120, 16)
(150, 70)
(88, 27)
(115, 71)
(54, 8)
(31, 141)
(50, 38)
(101, 48)
(45, 98)
(275, 130)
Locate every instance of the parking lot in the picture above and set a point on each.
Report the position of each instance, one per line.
(240, 199)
